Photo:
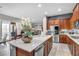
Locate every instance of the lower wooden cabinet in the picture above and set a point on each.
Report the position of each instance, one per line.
(47, 47)
(20, 52)
(71, 45)
(62, 39)
(65, 39)
(76, 50)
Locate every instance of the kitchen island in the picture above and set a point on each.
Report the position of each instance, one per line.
(39, 46)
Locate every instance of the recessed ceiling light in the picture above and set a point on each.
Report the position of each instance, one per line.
(39, 5)
(59, 9)
(45, 13)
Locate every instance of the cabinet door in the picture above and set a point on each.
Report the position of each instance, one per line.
(62, 39)
(46, 49)
(50, 23)
(20, 52)
(49, 45)
(75, 16)
(77, 50)
(61, 24)
(70, 44)
(67, 22)
(78, 11)
(56, 22)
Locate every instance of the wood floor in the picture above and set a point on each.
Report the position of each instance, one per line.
(60, 49)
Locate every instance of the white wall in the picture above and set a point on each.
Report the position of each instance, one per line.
(5, 25)
(0, 29)
(18, 25)
(44, 24)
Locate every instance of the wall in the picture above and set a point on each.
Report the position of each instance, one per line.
(5, 20)
(45, 24)
(0, 29)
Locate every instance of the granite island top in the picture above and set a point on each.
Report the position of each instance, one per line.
(36, 41)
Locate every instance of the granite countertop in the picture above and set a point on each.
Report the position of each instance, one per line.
(75, 40)
(69, 35)
(36, 41)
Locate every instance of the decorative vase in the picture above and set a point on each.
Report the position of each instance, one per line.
(26, 39)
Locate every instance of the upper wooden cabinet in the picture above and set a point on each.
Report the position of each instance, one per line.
(53, 22)
(63, 23)
(75, 16)
(62, 20)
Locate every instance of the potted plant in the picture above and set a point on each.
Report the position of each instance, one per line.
(26, 28)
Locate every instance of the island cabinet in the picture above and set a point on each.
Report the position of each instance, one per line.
(47, 47)
(20, 52)
(42, 48)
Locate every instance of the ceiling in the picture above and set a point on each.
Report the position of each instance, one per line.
(32, 10)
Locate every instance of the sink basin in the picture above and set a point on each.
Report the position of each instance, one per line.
(75, 37)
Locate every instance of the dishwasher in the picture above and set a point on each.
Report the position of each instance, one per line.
(39, 50)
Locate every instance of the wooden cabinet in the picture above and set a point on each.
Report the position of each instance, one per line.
(74, 47)
(63, 23)
(71, 44)
(76, 50)
(57, 22)
(47, 46)
(62, 39)
(78, 11)
(65, 39)
(20, 52)
(53, 22)
(75, 15)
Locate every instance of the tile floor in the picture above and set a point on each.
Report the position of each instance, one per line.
(58, 49)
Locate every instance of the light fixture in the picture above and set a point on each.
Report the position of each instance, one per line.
(39, 5)
(45, 13)
(59, 9)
